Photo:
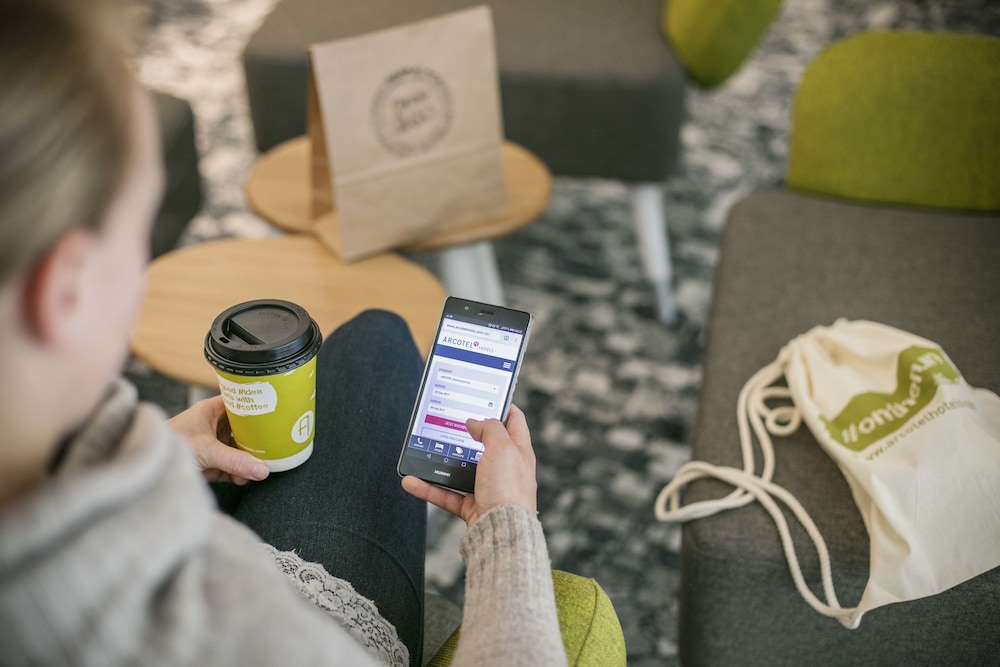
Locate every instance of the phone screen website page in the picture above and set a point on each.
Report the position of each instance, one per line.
(471, 370)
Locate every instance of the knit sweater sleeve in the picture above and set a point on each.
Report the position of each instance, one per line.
(510, 611)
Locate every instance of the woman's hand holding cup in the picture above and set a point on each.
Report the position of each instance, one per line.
(206, 428)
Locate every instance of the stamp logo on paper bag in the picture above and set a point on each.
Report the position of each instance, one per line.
(412, 111)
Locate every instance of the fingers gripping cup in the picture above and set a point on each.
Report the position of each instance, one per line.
(264, 353)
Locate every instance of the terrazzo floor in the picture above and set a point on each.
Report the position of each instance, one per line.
(610, 394)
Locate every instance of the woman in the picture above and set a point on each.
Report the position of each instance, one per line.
(111, 549)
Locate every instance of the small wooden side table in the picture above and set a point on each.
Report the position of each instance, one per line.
(188, 288)
(279, 189)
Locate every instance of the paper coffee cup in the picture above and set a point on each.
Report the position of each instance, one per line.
(264, 354)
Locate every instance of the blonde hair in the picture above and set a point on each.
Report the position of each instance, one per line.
(65, 121)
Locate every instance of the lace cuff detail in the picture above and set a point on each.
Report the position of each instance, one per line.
(356, 613)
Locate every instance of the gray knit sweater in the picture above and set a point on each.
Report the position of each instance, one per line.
(121, 559)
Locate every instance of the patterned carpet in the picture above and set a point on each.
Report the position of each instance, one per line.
(610, 394)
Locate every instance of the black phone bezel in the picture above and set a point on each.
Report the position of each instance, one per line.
(452, 475)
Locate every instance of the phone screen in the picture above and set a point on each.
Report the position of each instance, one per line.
(470, 373)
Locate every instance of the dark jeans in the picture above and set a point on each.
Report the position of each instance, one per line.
(344, 508)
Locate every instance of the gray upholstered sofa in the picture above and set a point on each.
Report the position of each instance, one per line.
(183, 194)
(892, 214)
(789, 262)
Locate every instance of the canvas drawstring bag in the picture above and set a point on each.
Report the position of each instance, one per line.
(919, 447)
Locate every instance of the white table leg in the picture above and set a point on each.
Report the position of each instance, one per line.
(470, 271)
(654, 247)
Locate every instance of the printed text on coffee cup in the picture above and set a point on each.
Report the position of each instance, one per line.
(247, 400)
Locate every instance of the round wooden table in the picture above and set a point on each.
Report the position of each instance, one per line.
(188, 288)
(279, 189)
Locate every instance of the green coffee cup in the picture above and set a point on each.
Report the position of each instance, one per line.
(264, 354)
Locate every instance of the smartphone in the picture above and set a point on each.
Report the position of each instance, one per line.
(471, 372)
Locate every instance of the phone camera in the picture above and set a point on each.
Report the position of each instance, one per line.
(466, 307)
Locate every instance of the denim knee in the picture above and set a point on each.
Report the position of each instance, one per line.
(376, 329)
(377, 321)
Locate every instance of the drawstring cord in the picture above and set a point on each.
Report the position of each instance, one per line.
(753, 413)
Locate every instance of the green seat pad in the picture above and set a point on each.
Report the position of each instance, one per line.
(591, 632)
(713, 37)
(901, 118)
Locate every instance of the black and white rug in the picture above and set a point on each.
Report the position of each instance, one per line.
(610, 394)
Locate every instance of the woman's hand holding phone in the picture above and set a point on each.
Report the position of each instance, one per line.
(505, 476)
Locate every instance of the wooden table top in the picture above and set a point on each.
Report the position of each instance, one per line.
(279, 189)
(188, 288)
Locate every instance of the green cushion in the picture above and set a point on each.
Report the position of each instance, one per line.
(591, 632)
(713, 37)
(901, 118)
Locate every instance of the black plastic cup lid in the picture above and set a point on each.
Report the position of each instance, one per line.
(262, 337)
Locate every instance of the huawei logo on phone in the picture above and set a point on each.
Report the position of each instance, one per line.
(442, 473)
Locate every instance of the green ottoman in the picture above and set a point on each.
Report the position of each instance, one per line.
(591, 632)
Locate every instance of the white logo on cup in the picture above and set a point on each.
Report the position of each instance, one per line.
(302, 430)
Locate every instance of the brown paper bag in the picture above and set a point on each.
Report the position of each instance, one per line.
(406, 133)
